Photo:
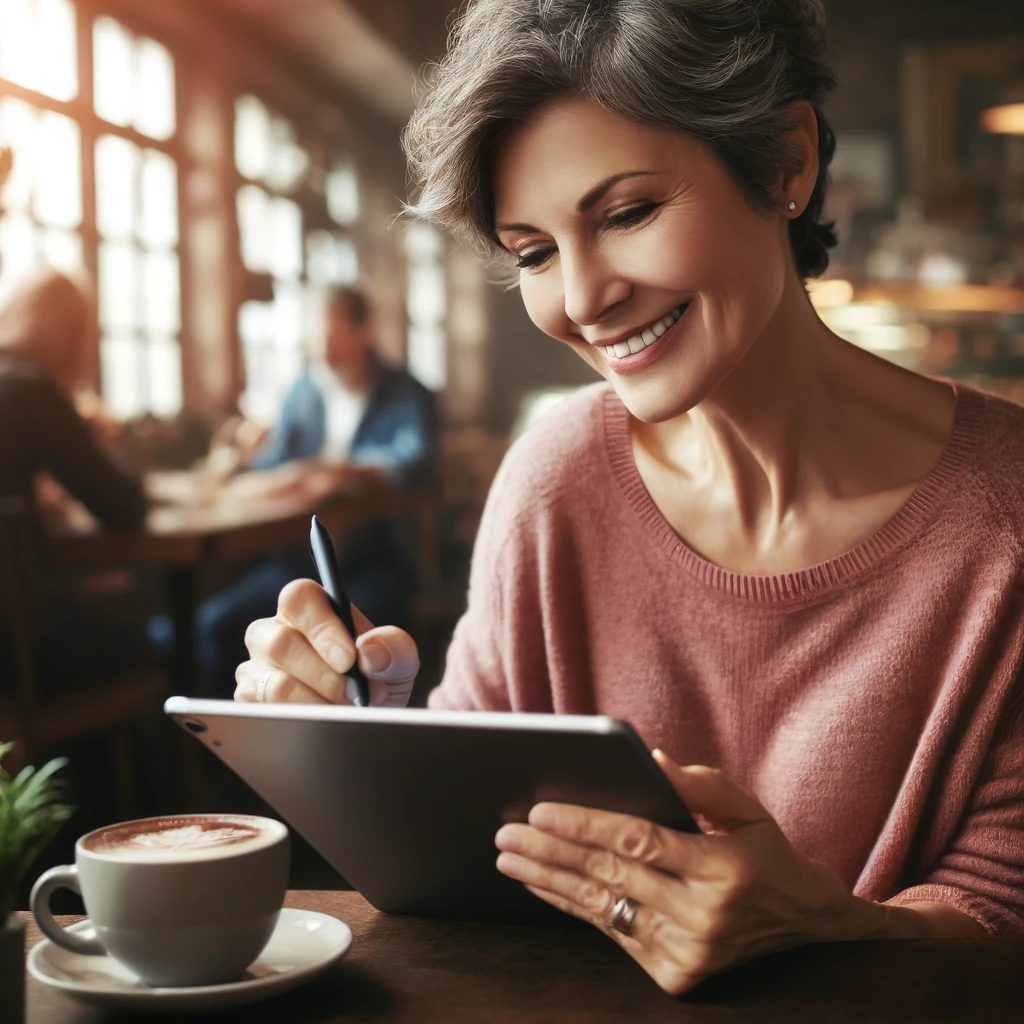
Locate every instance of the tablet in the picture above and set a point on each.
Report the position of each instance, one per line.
(405, 803)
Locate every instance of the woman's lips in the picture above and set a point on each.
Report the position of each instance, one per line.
(638, 360)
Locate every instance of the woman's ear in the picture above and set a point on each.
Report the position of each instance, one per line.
(801, 175)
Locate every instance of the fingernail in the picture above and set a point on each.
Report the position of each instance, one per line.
(542, 816)
(375, 656)
(507, 838)
(339, 659)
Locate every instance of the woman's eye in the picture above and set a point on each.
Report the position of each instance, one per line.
(534, 258)
(634, 215)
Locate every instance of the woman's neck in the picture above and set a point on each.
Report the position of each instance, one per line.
(805, 419)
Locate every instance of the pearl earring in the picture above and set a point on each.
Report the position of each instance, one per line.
(792, 205)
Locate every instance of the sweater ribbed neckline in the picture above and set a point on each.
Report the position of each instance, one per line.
(903, 527)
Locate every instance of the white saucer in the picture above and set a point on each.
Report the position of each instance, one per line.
(304, 943)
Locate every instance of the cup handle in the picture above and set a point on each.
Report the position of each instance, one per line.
(65, 877)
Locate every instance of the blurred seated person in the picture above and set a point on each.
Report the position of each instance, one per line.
(349, 418)
(47, 327)
(47, 448)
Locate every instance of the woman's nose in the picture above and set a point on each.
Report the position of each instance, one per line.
(591, 288)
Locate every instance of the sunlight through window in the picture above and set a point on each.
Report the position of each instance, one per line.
(39, 47)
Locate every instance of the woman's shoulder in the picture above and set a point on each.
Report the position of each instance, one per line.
(564, 445)
(997, 425)
(557, 459)
(993, 429)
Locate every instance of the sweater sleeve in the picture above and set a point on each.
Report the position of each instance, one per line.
(981, 873)
(474, 676)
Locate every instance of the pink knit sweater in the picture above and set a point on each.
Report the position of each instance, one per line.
(874, 703)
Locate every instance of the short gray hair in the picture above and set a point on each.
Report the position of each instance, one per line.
(724, 71)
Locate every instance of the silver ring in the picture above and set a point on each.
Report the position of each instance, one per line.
(261, 686)
(623, 915)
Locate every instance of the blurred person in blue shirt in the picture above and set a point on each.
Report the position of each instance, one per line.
(350, 416)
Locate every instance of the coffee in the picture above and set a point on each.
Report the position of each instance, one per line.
(181, 837)
(186, 899)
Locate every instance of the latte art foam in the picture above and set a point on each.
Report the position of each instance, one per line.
(186, 837)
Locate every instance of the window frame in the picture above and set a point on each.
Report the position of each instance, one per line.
(91, 127)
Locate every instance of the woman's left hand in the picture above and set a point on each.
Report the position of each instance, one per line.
(708, 901)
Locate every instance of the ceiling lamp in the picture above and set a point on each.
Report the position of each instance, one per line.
(1007, 118)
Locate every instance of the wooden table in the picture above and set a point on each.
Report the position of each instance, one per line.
(180, 539)
(420, 972)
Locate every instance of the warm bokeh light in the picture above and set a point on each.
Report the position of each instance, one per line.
(1005, 120)
(830, 294)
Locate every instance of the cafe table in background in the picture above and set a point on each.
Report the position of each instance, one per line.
(192, 524)
(418, 971)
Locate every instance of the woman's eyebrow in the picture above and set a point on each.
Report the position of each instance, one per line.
(592, 197)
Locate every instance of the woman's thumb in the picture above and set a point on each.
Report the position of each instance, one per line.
(709, 793)
(388, 653)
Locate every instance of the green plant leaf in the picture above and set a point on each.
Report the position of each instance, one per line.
(32, 810)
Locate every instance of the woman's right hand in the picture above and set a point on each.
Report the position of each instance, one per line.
(301, 655)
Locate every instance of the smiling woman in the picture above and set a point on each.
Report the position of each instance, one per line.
(796, 569)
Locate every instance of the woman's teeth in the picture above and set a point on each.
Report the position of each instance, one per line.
(647, 337)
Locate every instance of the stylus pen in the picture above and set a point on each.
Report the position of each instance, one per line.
(326, 562)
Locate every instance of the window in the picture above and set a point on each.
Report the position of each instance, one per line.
(50, 129)
(276, 241)
(137, 224)
(133, 81)
(426, 305)
(39, 46)
(42, 199)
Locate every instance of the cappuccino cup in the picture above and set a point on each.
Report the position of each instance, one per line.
(182, 900)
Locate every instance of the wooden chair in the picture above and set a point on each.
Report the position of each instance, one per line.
(39, 724)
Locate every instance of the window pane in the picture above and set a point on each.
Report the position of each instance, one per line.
(252, 137)
(426, 302)
(18, 249)
(427, 361)
(40, 49)
(154, 94)
(118, 286)
(62, 249)
(343, 195)
(58, 184)
(286, 231)
(330, 259)
(56, 50)
(254, 227)
(255, 324)
(112, 71)
(161, 299)
(422, 241)
(121, 375)
(287, 327)
(164, 372)
(117, 162)
(159, 224)
(18, 129)
(288, 160)
(426, 298)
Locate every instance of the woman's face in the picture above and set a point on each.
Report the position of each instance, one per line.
(632, 235)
